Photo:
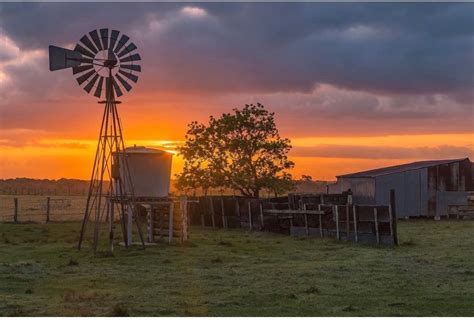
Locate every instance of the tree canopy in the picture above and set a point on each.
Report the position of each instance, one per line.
(241, 150)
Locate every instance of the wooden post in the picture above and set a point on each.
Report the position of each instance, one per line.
(376, 225)
(348, 224)
(394, 216)
(250, 215)
(336, 210)
(151, 225)
(129, 224)
(212, 212)
(160, 223)
(261, 215)
(320, 222)
(201, 212)
(48, 200)
(184, 224)
(306, 221)
(110, 211)
(391, 221)
(322, 198)
(189, 211)
(356, 237)
(170, 223)
(237, 211)
(224, 218)
(15, 212)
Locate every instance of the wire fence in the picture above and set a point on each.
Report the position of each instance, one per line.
(31, 208)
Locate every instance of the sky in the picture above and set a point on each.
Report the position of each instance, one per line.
(354, 86)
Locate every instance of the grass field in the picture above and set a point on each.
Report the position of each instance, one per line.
(236, 273)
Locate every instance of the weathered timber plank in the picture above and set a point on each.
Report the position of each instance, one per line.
(315, 212)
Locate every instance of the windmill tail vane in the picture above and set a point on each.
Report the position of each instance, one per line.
(105, 64)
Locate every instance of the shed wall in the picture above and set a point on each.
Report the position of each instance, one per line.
(419, 192)
(410, 191)
(363, 189)
(445, 198)
(448, 185)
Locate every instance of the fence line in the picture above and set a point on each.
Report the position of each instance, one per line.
(325, 215)
(41, 209)
(300, 215)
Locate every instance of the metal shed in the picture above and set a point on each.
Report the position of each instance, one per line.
(423, 188)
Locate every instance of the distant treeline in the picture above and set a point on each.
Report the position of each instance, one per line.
(76, 187)
(28, 186)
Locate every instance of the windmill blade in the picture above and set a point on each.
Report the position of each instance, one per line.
(133, 57)
(91, 83)
(129, 75)
(60, 58)
(124, 83)
(104, 35)
(88, 43)
(127, 49)
(98, 90)
(85, 76)
(118, 92)
(83, 51)
(80, 69)
(123, 40)
(133, 67)
(95, 37)
(117, 52)
(113, 38)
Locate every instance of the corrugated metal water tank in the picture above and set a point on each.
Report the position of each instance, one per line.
(150, 171)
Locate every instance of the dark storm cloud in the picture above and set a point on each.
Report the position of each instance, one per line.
(399, 48)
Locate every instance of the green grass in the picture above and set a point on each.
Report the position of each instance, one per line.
(236, 273)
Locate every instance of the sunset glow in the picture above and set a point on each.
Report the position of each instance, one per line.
(341, 114)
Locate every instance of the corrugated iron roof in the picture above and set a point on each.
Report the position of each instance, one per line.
(400, 168)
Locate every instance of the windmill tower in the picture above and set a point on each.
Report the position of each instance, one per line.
(105, 64)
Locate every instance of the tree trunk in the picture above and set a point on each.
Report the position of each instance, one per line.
(256, 193)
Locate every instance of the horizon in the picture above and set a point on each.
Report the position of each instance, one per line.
(382, 87)
(172, 179)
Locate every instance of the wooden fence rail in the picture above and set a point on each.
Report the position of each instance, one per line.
(304, 216)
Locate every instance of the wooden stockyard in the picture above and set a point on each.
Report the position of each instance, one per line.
(168, 219)
(324, 215)
(165, 217)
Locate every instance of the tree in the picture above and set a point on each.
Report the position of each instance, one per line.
(241, 150)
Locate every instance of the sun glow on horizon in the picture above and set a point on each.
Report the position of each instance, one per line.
(72, 158)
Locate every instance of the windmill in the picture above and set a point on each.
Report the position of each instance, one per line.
(105, 65)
